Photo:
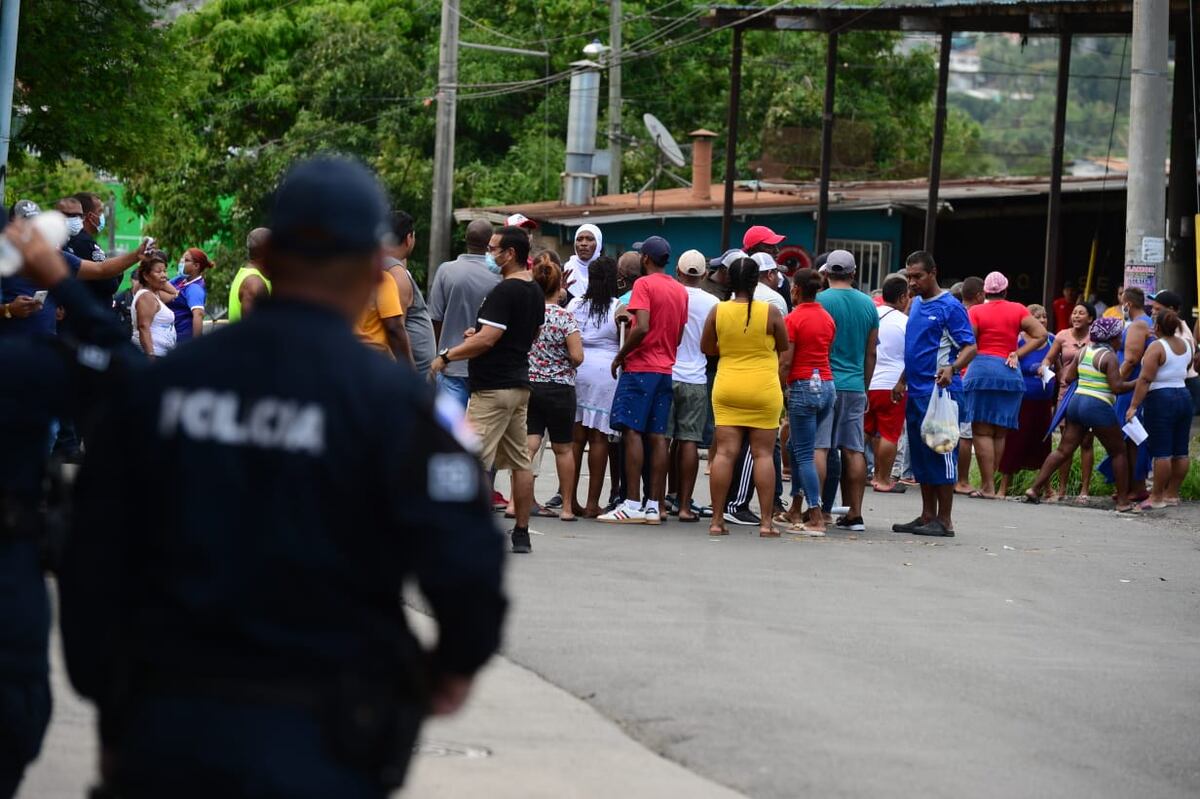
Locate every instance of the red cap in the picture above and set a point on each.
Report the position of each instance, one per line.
(760, 234)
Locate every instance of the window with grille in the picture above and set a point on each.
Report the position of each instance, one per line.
(874, 258)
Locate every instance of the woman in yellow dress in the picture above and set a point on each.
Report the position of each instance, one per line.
(747, 396)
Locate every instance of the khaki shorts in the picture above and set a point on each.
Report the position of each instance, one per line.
(498, 416)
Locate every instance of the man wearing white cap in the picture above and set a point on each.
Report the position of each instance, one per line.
(521, 221)
(852, 361)
(768, 281)
(689, 409)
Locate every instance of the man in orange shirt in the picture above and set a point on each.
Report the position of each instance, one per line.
(381, 324)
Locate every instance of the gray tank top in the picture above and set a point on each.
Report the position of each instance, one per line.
(419, 327)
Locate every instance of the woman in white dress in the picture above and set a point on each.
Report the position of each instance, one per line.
(594, 314)
(152, 321)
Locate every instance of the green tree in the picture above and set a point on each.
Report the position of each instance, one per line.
(268, 82)
(94, 81)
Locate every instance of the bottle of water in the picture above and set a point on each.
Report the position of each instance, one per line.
(814, 382)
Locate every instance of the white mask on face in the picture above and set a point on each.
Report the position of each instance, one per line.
(74, 225)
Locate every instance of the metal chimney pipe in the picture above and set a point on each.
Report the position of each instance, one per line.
(582, 119)
(702, 147)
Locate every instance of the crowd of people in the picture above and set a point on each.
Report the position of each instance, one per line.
(778, 375)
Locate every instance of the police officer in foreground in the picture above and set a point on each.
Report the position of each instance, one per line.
(250, 639)
(44, 377)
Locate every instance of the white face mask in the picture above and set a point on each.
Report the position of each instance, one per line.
(182, 271)
(74, 225)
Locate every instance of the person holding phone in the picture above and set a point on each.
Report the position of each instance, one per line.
(20, 312)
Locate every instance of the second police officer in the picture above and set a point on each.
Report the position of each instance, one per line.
(250, 639)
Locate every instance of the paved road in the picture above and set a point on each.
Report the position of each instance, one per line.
(1044, 651)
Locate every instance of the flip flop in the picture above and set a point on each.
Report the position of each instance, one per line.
(1126, 509)
(569, 519)
(897, 488)
(799, 529)
(540, 511)
(688, 520)
(781, 517)
(965, 493)
(974, 493)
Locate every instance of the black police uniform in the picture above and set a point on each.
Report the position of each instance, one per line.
(231, 593)
(84, 246)
(44, 378)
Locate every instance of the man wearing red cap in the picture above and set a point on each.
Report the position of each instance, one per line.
(761, 238)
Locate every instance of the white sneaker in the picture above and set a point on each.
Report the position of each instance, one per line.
(623, 515)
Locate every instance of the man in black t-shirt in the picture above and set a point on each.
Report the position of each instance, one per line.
(497, 351)
(83, 245)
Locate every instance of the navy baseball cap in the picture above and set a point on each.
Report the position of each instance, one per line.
(656, 248)
(329, 205)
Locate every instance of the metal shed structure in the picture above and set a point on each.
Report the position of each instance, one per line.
(1058, 18)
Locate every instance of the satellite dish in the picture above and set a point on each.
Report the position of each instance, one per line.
(665, 141)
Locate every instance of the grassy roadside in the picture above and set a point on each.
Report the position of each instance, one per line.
(1098, 488)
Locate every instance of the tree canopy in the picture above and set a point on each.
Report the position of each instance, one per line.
(241, 88)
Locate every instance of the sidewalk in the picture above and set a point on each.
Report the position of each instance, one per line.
(543, 743)
(519, 736)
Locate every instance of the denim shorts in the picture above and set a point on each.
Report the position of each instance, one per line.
(1168, 420)
(849, 408)
(642, 402)
(1091, 412)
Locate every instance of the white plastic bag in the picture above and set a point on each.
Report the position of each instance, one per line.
(939, 428)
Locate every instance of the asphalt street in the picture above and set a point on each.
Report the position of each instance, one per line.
(1043, 651)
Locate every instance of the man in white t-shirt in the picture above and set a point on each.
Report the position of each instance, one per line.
(689, 408)
(768, 281)
(884, 420)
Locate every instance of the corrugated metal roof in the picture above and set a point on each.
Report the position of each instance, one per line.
(773, 198)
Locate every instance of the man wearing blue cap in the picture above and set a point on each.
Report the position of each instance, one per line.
(258, 645)
(642, 402)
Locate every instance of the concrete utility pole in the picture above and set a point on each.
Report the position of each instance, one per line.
(10, 17)
(441, 213)
(614, 96)
(1149, 121)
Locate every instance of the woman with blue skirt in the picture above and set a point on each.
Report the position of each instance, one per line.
(993, 387)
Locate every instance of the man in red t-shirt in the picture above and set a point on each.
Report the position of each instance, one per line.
(642, 401)
(1063, 307)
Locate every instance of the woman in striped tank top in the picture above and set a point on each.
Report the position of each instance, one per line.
(1099, 381)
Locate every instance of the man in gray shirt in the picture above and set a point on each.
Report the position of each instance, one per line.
(459, 288)
(416, 314)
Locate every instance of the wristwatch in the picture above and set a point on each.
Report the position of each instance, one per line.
(445, 355)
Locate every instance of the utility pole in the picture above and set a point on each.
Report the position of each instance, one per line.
(1149, 121)
(10, 16)
(614, 96)
(442, 211)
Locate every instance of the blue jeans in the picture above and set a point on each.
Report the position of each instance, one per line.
(808, 410)
(454, 386)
